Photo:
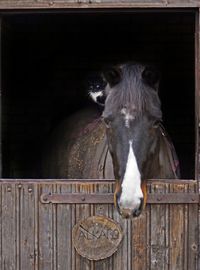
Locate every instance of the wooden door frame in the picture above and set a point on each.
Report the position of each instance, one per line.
(77, 4)
(8, 7)
(197, 95)
(197, 107)
(50, 4)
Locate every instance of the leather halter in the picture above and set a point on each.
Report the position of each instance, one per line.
(173, 159)
(171, 152)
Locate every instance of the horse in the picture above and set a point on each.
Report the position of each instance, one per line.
(127, 141)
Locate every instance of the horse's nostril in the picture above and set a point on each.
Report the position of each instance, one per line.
(127, 209)
(125, 213)
(137, 212)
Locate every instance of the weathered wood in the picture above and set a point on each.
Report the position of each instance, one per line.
(1, 261)
(26, 233)
(139, 242)
(82, 212)
(120, 257)
(64, 228)
(93, 181)
(36, 227)
(8, 221)
(96, 237)
(197, 93)
(31, 4)
(193, 236)
(38, 236)
(197, 115)
(155, 198)
(159, 233)
(102, 210)
(178, 258)
(46, 232)
(0, 97)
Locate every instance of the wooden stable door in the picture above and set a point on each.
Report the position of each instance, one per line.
(38, 216)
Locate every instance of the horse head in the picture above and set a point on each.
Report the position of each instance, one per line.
(131, 113)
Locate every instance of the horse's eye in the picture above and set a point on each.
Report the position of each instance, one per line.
(156, 124)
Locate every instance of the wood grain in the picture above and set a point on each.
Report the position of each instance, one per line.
(34, 235)
(64, 228)
(27, 226)
(139, 242)
(8, 220)
(102, 210)
(31, 4)
(82, 212)
(193, 235)
(46, 232)
(159, 233)
(177, 233)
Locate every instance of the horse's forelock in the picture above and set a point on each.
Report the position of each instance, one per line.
(132, 91)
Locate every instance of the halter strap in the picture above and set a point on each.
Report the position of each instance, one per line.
(173, 159)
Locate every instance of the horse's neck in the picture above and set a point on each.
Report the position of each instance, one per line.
(170, 154)
(162, 160)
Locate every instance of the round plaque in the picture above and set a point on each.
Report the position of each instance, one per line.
(96, 237)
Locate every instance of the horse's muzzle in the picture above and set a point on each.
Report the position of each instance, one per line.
(131, 213)
(127, 212)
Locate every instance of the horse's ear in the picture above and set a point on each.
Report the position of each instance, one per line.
(151, 76)
(112, 76)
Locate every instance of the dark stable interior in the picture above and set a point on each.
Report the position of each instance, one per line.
(47, 56)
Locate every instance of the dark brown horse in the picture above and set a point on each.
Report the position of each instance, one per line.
(128, 142)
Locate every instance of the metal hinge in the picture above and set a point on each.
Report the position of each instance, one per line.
(82, 198)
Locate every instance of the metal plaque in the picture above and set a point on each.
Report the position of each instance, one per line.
(97, 237)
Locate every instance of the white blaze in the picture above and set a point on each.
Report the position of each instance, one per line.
(131, 186)
(127, 117)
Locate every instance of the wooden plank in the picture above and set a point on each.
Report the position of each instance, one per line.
(47, 4)
(197, 117)
(65, 224)
(163, 237)
(54, 232)
(103, 210)
(45, 231)
(140, 242)
(18, 227)
(159, 231)
(27, 226)
(8, 220)
(1, 29)
(177, 233)
(73, 260)
(118, 255)
(92, 181)
(197, 95)
(193, 234)
(122, 258)
(82, 212)
(36, 226)
(1, 258)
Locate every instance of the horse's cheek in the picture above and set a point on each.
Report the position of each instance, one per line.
(117, 190)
